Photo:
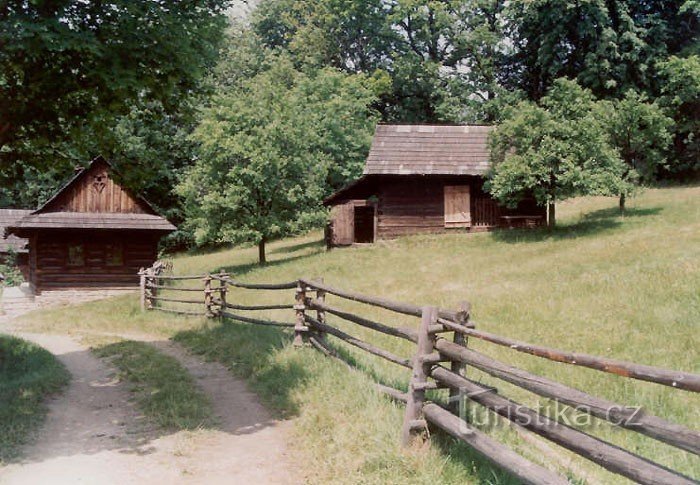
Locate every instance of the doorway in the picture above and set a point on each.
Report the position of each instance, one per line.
(364, 224)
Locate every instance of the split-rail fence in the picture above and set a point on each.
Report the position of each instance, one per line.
(439, 361)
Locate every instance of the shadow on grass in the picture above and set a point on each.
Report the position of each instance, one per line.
(245, 268)
(249, 351)
(318, 245)
(591, 224)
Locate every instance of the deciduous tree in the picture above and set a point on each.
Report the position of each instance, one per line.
(555, 150)
(271, 149)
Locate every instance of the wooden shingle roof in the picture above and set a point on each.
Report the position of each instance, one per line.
(12, 242)
(93, 220)
(429, 150)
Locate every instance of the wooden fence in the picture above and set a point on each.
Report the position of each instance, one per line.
(441, 354)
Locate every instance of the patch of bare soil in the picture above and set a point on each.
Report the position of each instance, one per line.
(95, 434)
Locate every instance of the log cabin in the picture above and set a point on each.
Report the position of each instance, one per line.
(423, 179)
(93, 234)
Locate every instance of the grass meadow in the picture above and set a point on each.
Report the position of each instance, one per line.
(600, 283)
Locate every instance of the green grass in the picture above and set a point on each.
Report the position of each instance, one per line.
(164, 389)
(28, 373)
(624, 287)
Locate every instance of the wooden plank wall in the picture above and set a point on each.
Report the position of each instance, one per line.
(52, 271)
(416, 205)
(97, 192)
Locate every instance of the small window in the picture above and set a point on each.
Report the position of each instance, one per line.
(76, 255)
(114, 254)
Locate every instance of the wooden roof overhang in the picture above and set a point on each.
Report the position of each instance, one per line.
(90, 221)
(11, 242)
(362, 188)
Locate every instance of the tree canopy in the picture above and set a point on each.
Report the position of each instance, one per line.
(555, 150)
(69, 69)
(271, 148)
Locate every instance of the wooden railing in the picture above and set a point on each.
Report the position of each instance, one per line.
(439, 361)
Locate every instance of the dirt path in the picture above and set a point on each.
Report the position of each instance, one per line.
(94, 434)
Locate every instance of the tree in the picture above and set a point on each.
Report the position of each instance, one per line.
(70, 68)
(681, 98)
(271, 149)
(640, 131)
(608, 46)
(555, 150)
(437, 53)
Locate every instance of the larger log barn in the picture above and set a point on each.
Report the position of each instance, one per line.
(423, 179)
(93, 234)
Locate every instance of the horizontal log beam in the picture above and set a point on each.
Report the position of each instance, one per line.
(361, 344)
(393, 393)
(407, 334)
(173, 288)
(497, 453)
(632, 418)
(257, 307)
(607, 455)
(677, 379)
(256, 286)
(405, 308)
(177, 300)
(168, 277)
(255, 321)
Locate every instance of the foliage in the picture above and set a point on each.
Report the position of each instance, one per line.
(90, 63)
(609, 46)
(640, 131)
(433, 52)
(681, 98)
(555, 150)
(10, 270)
(165, 390)
(271, 149)
(27, 374)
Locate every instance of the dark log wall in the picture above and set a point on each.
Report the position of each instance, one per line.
(51, 268)
(415, 205)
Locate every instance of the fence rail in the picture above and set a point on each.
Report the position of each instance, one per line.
(439, 362)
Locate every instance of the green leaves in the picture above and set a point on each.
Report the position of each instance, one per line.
(271, 148)
(554, 151)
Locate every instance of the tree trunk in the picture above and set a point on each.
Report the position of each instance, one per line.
(622, 203)
(551, 214)
(261, 251)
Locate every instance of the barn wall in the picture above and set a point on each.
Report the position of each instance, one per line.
(52, 271)
(415, 205)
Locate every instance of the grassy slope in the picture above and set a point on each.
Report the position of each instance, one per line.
(27, 374)
(602, 284)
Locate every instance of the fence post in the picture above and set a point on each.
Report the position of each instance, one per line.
(321, 314)
(149, 291)
(462, 318)
(142, 287)
(207, 296)
(413, 424)
(222, 293)
(300, 328)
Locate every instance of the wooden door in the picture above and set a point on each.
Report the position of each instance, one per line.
(343, 224)
(457, 206)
